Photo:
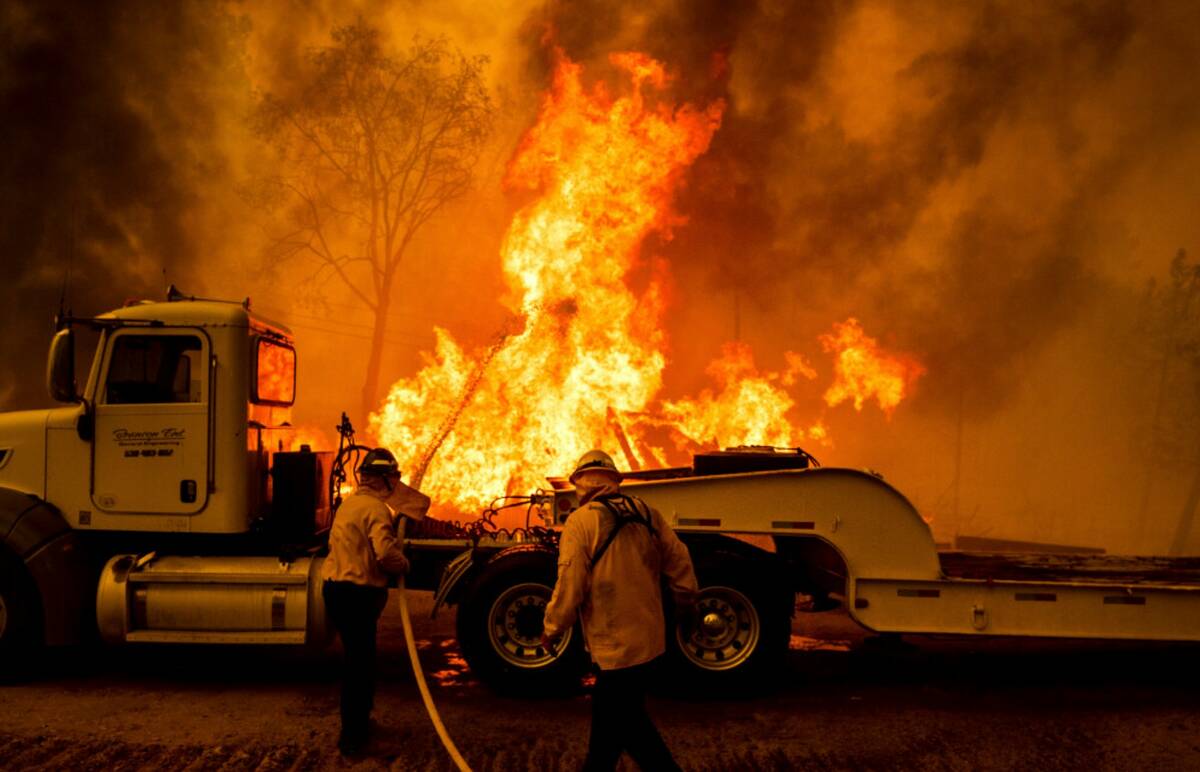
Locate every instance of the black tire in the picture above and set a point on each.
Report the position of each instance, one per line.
(499, 625)
(20, 619)
(741, 630)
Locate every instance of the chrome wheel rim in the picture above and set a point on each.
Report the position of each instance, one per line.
(515, 624)
(726, 632)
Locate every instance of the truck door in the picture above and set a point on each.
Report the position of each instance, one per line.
(151, 448)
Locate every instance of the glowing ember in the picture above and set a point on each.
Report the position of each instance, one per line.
(585, 370)
(862, 370)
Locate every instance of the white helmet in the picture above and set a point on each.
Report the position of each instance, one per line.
(596, 461)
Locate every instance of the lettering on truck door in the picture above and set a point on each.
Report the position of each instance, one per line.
(151, 441)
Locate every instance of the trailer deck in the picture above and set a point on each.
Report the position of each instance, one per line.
(895, 578)
(1071, 568)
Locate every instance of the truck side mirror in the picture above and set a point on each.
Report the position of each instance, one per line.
(60, 367)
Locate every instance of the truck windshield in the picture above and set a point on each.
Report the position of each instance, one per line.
(275, 373)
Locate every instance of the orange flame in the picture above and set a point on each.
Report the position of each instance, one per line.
(605, 168)
(749, 409)
(585, 370)
(862, 370)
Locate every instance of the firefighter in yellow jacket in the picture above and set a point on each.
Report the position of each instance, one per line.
(365, 549)
(614, 552)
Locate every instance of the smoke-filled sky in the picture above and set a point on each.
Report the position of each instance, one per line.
(985, 185)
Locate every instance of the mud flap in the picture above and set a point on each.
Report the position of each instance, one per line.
(452, 574)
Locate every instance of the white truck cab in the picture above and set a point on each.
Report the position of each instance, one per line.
(159, 473)
(173, 417)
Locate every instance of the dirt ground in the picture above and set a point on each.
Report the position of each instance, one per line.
(842, 702)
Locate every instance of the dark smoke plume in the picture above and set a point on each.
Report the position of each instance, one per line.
(984, 185)
(107, 109)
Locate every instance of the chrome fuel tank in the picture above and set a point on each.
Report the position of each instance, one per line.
(174, 599)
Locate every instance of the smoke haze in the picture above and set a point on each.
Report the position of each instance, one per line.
(986, 186)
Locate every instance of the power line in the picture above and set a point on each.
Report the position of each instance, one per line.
(337, 323)
(413, 342)
(323, 319)
(349, 306)
(410, 337)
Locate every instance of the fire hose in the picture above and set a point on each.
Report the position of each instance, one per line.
(411, 642)
(419, 674)
(346, 447)
(443, 431)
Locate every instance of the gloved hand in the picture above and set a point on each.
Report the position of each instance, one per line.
(550, 644)
(396, 568)
(395, 564)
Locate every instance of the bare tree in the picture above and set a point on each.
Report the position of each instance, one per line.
(1170, 329)
(372, 147)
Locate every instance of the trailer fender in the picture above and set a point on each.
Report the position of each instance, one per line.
(453, 580)
(521, 549)
(460, 572)
(34, 532)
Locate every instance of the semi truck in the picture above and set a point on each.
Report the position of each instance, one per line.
(163, 503)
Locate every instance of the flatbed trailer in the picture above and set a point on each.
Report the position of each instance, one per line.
(896, 581)
(759, 537)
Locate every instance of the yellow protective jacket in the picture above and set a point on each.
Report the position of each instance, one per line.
(364, 546)
(620, 598)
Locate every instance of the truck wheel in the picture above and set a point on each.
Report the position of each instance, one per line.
(20, 615)
(741, 629)
(500, 628)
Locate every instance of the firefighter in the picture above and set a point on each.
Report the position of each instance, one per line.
(614, 552)
(365, 549)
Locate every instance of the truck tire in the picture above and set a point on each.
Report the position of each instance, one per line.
(20, 619)
(741, 628)
(499, 625)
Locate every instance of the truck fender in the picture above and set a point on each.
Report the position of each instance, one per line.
(459, 573)
(33, 531)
